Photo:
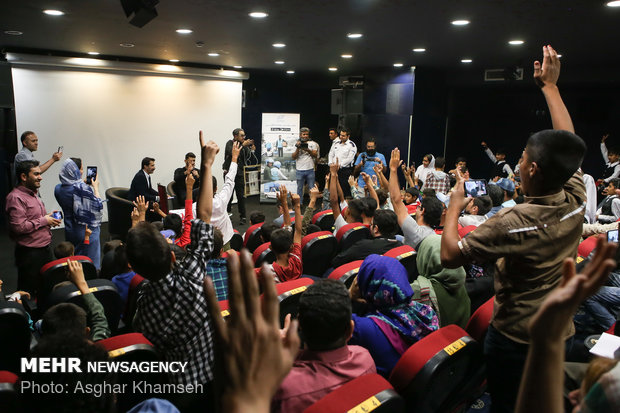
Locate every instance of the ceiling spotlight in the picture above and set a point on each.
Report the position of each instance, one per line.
(332, 69)
(613, 4)
(278, 45)
(127, 45)
(279, 62)
(237, 67)
(54, 12)
(354, 35)
(13, 32)
(258, 14)
(213, 54)
(93, 53)
(460, 22)
(173, 60)
(466, 60)
(559, 55)
(398, 65)
(290, 72)
(184, 31)
(516, 42)
(419, 50)
(346, 56)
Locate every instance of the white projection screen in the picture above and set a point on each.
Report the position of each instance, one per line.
(114, 119)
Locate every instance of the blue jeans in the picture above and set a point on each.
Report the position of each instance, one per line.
(304, 177)
(604, 305)
(91, 250)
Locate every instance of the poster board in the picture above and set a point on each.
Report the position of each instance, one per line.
(280, 132)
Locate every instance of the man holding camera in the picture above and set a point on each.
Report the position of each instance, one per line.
(242, 160)
(366, 161)
(306, 153)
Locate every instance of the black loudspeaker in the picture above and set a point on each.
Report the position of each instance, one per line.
(143, 11)
(347, 101)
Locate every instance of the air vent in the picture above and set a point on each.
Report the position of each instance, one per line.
(507, 74)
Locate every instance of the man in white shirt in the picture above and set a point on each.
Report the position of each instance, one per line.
(344, 151)
(219, 216)
(305, 155)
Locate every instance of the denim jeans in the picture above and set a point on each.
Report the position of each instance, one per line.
(604, 306)
(93, 249)
(306, 176)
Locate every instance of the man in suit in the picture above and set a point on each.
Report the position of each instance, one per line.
(141, 183)
(243, 160)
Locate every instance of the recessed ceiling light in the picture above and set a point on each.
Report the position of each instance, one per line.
(466, 60)
(127, 45)
(346, 56)
(93, 53)
(278, 45)
(53, 12)
(613, 4)
(13, 32)
(419, 50)
(169, 68)
(332, 69)
(354, 35)
(213, 54)
(184, 31)
(237, 67)
(559, 55)
(460, 22)
(258, 14)
(516, 42)
(290, 72)
(279, 62)
(173, 60)
(398, 65)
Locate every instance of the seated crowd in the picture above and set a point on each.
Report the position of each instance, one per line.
(174, 273)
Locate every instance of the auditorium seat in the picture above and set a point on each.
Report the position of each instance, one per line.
(176, 202)
(226, 254)
(104, 290)
(351, 233)
(406, 255)
(369, 392)
(324, 219)
(442, 372)
(251, 239)
(463, 231)
(236, 242)
(346, 273)
(411, 209)
(132, 347)
(119, 212)
(587, 246)
(288, 296)
(478, 323)
(15, 336)
(9, 390)
(131, 306)
(263, 254)
(56, 271)
(317, 251)
(479, 290)
(292, 222)
(224, 309)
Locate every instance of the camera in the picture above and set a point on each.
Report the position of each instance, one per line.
(303, 145)
(364, 157)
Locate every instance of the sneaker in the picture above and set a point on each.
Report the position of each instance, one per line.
(243, 221)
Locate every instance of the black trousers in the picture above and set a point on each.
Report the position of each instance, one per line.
(343, 178)
(29, 261)
(239, 191)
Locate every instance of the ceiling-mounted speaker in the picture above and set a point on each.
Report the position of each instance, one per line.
(143, 11)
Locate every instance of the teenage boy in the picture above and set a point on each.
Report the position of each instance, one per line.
(501, 167)
(287, 247)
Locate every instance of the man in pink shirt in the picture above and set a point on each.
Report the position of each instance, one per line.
(29, 225)
(326, 362)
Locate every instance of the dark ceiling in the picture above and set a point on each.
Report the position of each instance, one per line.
(314, 31)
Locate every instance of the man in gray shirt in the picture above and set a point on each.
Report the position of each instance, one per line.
(30, 143)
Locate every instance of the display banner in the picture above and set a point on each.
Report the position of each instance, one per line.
(280, 132)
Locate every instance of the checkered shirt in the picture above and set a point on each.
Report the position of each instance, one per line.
(218, 271)
(439, 185)
(173, 315)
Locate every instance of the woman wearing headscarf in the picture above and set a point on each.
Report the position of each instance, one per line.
(394, 321)
(447, 286)
(82, 208)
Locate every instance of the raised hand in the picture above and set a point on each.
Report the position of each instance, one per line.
(141, 204)
(315, 193)
(76, 273)
(548, 73)
(378, 168)
(604, 138)
(208, 150)
(333, 168)
(395, 160)
(295, 200)
(282, 194)
(352, 181)
(483, 144)
(189, 181)
(366, 178)
(236, 149)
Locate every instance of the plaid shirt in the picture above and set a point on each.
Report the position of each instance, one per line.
(439, 185)
(173, 315)
(217, 270)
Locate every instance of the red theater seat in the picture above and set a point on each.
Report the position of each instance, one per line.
(251, 239)
(412, 208)
(440, 373)
(292, 222)
(324, 219)
(347, 272)
(224, 309)
(463, 231)
(317, 251)
(478, 324)
(8, 392)
(131, 306)
(406, 255)
(55, 272)
(226, 254)
(351, 233)
(236, 242)
(288, 296)
(586, 246)
(263, 254)
(370, 392)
